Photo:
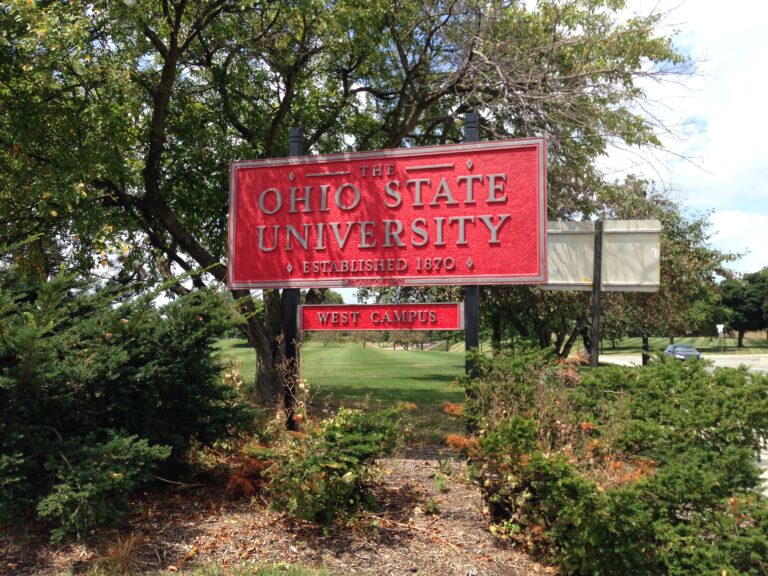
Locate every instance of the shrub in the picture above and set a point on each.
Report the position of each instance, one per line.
(93, 483)
(328, 473)
(94, 384)
(624, 470)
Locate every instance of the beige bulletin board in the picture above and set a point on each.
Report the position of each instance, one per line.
(631, 255)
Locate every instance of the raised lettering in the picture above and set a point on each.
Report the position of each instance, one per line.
(278, 201)
(470, 180)
(439, 221)
(320, 236)
(290, 230)
(443, 191)
(389, 233)
(389, 189)
(340, 192)
(494, 230)
(263, 248)
(462, 220)
(341, 241)
(367, 229)
(417, 184)
(324, 197)
(303, 199)
(494, 187)
(418, 230)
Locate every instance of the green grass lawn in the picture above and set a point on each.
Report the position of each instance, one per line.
(346, 374)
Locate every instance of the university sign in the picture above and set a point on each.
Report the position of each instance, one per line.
(443, 316)
(458, 214)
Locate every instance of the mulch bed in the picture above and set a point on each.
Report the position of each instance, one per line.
(423, 527)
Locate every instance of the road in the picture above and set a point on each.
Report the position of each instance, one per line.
(753, 361)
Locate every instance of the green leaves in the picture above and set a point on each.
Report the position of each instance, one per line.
(747, 301)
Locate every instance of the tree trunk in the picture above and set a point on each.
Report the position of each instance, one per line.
(545, 337)
(559, 341)
(265, 338)
(269, 381)
(671, 339)
(496, 334)
(577, 329)
(586, 338)
(741, 338)
(646, 348)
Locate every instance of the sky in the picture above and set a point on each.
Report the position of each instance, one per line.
(717, 162)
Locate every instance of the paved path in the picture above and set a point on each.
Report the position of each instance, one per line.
(753, 361)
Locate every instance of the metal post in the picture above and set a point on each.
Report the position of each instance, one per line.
(291, 297)
(471, 293)
(596, 283)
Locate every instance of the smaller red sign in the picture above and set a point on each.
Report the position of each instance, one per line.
(446, 316)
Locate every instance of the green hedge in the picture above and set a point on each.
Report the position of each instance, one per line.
(624, 470)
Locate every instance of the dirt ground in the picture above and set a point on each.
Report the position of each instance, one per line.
(431, 522)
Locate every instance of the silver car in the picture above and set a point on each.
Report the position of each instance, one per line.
(682, 351)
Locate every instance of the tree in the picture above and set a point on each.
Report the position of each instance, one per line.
(689, 265)
(120, 118)
(327, 337)
(746, 300)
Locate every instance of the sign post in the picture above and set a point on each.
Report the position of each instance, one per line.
(720, 328)
(594, 353)
(290, 310)
(471, 292)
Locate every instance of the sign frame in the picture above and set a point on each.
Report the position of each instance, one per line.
(538, 243)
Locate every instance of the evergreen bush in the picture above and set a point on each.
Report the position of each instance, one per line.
(98, 392)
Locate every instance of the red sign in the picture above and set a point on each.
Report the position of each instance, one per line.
(460, 214)
(382, 317)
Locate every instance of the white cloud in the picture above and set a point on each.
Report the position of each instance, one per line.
(744, 233)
